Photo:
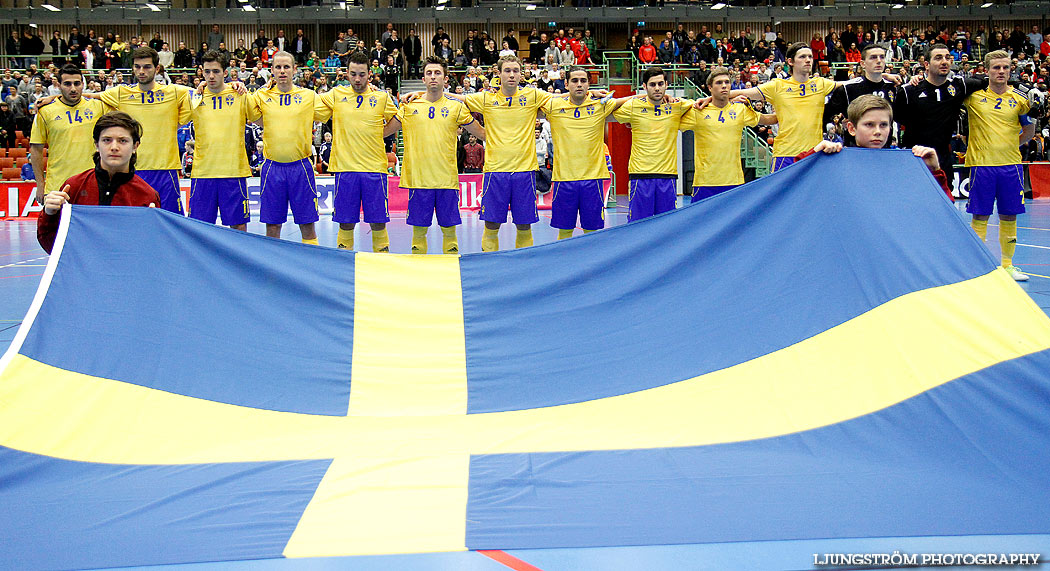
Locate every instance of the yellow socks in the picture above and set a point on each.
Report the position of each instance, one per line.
(419, 239)
(981, 227)
(1007, 241)
(523, 239)
(310, 241)
(490, 240)
(563, 234)
(589, 231)
(380, 241)
(449, 243)
(345, 239)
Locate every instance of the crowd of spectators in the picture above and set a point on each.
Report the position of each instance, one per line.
(754, 58)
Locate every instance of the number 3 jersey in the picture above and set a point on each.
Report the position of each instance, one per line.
(357, 128)
(288, 122)
(160, 112)
(67, 132)
(800, 112)
(218, 127)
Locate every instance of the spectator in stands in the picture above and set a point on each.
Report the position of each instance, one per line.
(815, 44)
(413, 52)
(7, 125)
(260, 41)
(59, 49)
(473, 156)
(27, 169)
(440, 38)
(30, 45)
(647, 53)
(853, 54)
(377, 54)
(165, 56)
(444, 51)
(183, 56)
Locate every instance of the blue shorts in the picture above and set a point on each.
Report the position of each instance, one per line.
(1002, 186)
(513, 190)
(583, 197)
(285, 184)
(781, 162)
(702, 192)
(423, 203)
(166, 183)
(357, 190)
(228, 196)
(651, 196)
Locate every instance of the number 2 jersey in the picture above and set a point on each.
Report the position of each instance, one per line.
(994, 127)
(67, 132)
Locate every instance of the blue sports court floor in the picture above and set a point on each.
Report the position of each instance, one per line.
(22, 263)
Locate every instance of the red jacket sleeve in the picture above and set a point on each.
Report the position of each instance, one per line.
(942, 179)
(47, 228)
(804, 154)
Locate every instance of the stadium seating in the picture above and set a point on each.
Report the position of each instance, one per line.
(12, 174)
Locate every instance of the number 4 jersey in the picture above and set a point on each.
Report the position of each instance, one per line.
(67, 132)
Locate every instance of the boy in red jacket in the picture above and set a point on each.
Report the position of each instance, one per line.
(112, 182)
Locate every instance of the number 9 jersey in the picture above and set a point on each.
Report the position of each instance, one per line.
(67, 131)
(357, 128)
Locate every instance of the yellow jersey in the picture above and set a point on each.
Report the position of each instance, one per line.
(716, 142)
(218, 129)
(654, 134)
(357, 128)
(160, 112)
(510, 127)
(67, 132)
(579, 133)
(288, 121)
(430, 142)
(800, 112)
(994, 127)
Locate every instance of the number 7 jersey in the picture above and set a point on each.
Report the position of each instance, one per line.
(67, 132)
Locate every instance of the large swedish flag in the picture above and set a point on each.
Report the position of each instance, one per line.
(818, 354)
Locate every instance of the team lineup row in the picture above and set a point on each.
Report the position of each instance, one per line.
(361, 117)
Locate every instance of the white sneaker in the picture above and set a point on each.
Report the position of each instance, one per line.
(1016, 274)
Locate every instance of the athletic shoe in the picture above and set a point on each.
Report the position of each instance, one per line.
(1016, 274)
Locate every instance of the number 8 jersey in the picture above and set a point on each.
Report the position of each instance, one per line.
(357, 128)
(67, 133)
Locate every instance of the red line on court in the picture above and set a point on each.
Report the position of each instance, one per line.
(26, 276)
(508, 560)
